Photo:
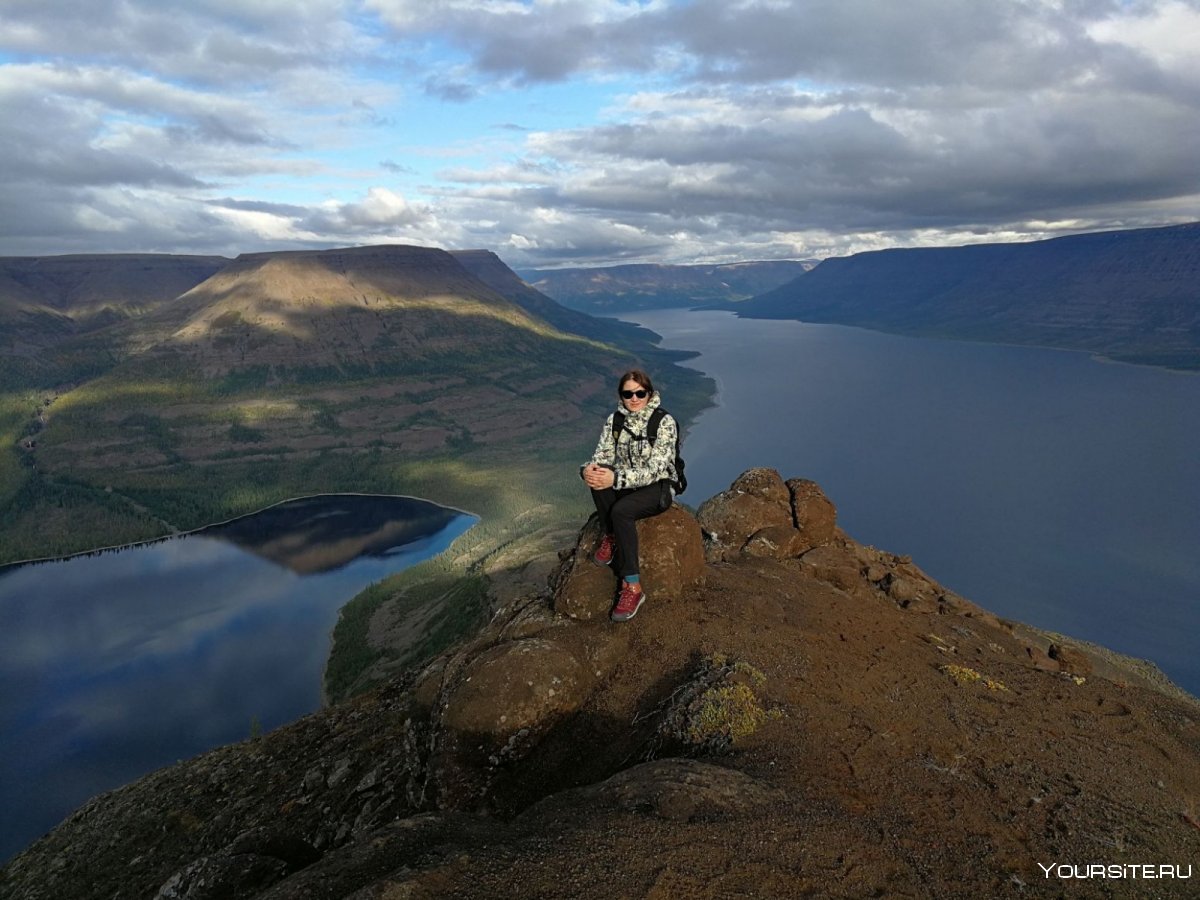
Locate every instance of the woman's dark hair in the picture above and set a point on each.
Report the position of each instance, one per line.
(640, 377)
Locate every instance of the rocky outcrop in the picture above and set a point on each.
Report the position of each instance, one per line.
(762, 515)
(498, 705)
(672, 562)
(491, 703)
(830, 689)
(253, 862)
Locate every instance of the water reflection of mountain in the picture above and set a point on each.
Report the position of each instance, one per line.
(319, 534)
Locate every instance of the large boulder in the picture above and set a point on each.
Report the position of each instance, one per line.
(762, 515)
(671, 548)
(1071, 659)
(835, 565)
(814, 514)
(499, 706)
(479, 710)
(672, 553)
(515, 686)
(757, 499)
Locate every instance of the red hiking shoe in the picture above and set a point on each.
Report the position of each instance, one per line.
(604, 553)
(629, 602)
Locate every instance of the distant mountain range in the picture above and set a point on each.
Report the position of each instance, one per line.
(397, 345)
(1127, 295)
(492, 271)
(51, 305)
(615, 289)
(274, 375)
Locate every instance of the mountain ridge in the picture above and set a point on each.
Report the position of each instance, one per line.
(1127, 295)
(54, 310)
(336, 304)
(78, 282)
(322, 360)
(608, 290)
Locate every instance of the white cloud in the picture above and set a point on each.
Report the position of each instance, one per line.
(1169, 33)
(202, 41)
(381, 208)
(749, 128)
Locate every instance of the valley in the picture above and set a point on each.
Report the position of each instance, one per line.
(388, 370)
(477, 680)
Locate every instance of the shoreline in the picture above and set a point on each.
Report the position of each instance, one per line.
(1097, 355)
(191, 531)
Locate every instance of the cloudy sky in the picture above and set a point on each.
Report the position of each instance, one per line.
(586, 132)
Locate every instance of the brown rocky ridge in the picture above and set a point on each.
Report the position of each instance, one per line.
(790, 714)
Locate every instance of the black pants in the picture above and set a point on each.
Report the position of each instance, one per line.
(619, 512)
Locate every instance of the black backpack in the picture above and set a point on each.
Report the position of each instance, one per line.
(680, 482)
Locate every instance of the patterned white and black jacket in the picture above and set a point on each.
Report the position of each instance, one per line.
(634, 460)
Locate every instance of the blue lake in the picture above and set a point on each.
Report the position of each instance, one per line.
(120, 662)
(1045, 485)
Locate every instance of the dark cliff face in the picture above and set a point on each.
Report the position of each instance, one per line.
(791, 713)
(1129, 295)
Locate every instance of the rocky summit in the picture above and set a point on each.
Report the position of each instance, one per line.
(791, 714)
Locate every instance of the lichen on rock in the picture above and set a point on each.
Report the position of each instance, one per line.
(964, 675)
(714, 709)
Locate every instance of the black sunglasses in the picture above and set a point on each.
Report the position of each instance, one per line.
(629, 395)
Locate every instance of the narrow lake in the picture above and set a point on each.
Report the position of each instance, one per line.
(1045, 485)
(117, 663)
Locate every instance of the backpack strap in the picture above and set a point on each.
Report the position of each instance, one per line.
(656, 418)
(618, 423)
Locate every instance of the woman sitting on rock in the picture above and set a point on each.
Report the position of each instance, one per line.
(630, 476)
